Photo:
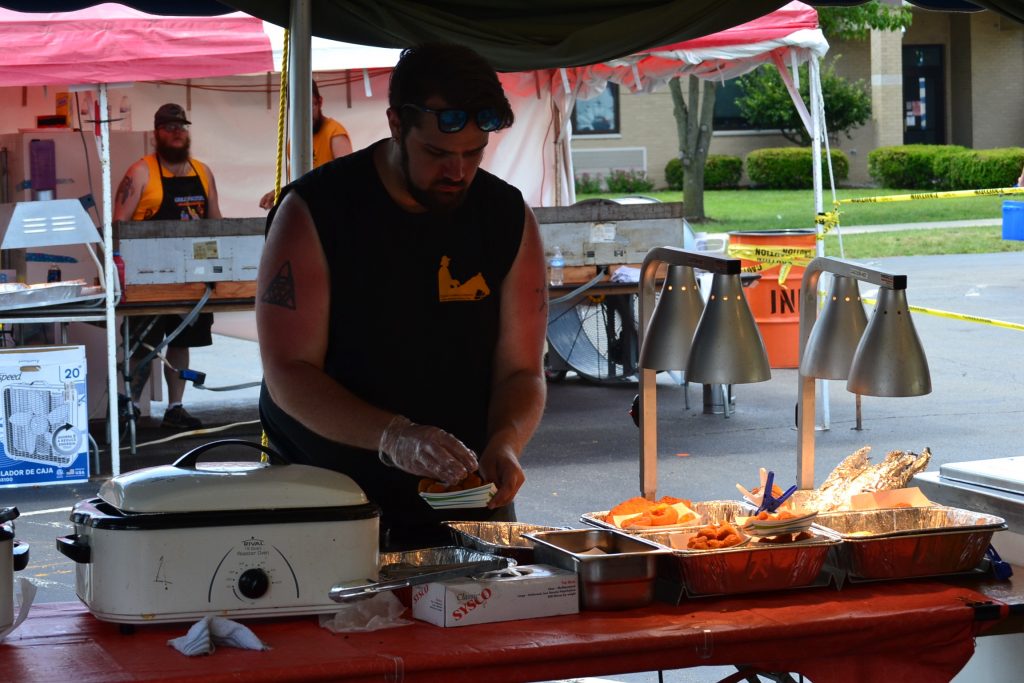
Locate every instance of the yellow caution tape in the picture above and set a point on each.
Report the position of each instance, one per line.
(771, 256)
(952, 194)
(960, 316)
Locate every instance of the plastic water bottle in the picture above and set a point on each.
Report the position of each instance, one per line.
(557, 268)
(119, 265)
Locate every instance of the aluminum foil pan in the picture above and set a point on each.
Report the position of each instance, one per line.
(415, 567)
(899, 543)
(615, 570)
(752, 567)
(710, 511)
(500, 538)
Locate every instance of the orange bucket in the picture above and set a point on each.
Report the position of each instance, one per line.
(776, 307)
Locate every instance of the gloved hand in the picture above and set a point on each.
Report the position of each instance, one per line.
(425, 451)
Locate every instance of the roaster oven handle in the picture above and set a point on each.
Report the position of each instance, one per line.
(73, 547)
(192, 457)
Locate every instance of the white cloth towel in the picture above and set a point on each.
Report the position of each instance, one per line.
(211, 631)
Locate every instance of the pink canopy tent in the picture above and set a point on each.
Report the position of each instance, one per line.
(111, 43)
(108, 44)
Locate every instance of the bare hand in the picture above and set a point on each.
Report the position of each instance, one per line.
(267, 201)
(501, 466)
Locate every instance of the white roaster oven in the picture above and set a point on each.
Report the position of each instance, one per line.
(237, 539)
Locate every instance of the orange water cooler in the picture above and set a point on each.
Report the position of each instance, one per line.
(776, 307)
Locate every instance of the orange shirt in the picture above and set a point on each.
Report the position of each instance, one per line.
(153, 192)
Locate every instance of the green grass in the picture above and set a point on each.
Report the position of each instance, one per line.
(730, 210)
(985, 240)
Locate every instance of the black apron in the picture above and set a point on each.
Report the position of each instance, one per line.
(183, 199)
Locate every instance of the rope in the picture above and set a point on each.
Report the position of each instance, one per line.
(281, 108)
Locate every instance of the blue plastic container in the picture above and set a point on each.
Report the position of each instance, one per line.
(1013, 220)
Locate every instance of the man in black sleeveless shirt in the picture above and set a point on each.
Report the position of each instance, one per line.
(402, 305)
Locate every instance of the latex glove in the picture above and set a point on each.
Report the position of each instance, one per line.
(425, 451)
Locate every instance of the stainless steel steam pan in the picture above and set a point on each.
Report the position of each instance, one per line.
(900, 543)
(616, 570)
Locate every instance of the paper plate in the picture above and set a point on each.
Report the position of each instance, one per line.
(469, 498)
(775, 527)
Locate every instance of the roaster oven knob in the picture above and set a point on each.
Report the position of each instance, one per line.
(253, 583)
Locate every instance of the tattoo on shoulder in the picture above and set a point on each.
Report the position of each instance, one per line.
(281, 291)
(124, 190)
(543, 299)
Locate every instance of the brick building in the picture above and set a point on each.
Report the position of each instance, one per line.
(949, 79)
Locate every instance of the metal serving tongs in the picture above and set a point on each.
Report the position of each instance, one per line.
(415, 567)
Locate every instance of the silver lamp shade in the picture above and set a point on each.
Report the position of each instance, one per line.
(890, 360)
(674, 321)
(837, 332)
(727, 348)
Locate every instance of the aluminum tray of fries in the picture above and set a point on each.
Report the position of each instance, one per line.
(707, 512)
(899, 543)
(749, 566)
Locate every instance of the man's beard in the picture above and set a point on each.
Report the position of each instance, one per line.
(318, 123)
(432, 200)
(173, 155)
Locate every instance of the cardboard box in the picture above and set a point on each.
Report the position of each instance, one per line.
(43, 416)
(526, 592)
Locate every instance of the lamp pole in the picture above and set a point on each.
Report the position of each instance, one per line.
(808, 314)
(648, 395)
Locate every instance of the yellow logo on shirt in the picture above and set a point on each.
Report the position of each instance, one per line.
(450, 289)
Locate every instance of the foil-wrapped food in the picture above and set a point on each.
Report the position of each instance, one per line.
(857, 474)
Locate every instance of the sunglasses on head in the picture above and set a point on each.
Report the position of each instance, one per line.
(453, 120)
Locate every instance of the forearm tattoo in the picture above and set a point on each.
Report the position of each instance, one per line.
(281, 290)
(543, 297)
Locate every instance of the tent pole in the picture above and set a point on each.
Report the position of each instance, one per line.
(814, 76)
(109, 278)
(300, 88)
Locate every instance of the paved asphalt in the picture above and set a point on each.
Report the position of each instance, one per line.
(584, 456)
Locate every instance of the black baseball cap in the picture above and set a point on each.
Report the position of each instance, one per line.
(169, 113)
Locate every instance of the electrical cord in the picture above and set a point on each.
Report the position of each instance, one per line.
(195, 432)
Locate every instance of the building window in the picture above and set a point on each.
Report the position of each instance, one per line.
(599, 115)
(727, 114)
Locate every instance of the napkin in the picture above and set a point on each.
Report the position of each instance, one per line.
(211, 631)
(626, 274)
(383, 610)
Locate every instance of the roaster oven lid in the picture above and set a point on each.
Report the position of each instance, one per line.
(191, 486)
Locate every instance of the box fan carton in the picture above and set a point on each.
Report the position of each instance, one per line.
(43, 416)
(524, 592)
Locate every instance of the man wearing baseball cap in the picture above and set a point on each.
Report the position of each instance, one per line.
(169, 185)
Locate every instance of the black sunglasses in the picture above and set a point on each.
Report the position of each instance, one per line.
(453, 120)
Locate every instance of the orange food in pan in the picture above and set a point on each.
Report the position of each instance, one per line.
(775, 516)
(642, 506)
(714, 537)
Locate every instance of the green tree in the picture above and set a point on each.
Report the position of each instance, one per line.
(856, 22)
(694, 113)
(694, 124)
(766, 103)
